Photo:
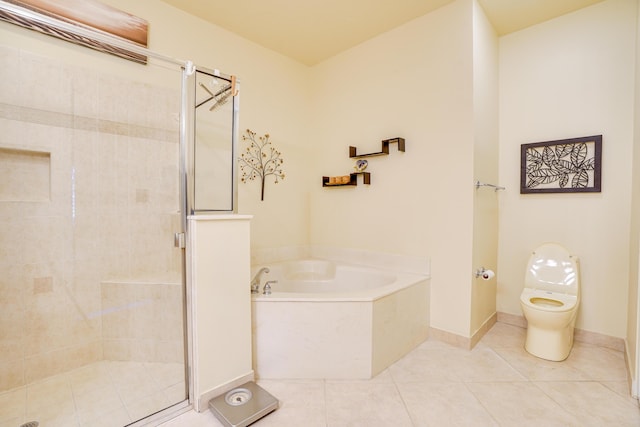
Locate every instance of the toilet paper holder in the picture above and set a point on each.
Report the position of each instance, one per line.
(484, 273)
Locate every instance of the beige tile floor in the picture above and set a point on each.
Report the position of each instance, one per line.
(103, 394)
(496, 384)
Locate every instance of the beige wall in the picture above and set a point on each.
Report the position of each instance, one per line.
(569, 77)
(485, 167)
(414, 82)
(634, 241)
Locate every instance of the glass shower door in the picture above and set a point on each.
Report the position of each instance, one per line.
(91, 285)
(214, 184)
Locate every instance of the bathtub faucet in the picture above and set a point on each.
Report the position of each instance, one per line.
(267, 287)
(255, 282)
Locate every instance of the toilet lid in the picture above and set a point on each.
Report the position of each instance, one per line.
(552, 268)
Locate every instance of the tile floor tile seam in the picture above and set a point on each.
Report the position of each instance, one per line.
(591, 377)
(561, 405)
(326, 408)
(481, 404)
(494, 381)
(607, 383)
(515, 369)
(112, 383)
(76, 408)
(24, 404)
(119, 393)
(404, 405)
(542, 409)
(581, 381)
(524, 374)
(154, 378)
(65, 377)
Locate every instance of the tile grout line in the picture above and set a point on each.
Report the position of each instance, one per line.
(404, 404)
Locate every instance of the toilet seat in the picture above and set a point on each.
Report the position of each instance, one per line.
(549, 301)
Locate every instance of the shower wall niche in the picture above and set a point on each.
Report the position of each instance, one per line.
(24, 175)
(89, 204)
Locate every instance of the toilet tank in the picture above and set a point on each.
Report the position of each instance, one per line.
(552, 268)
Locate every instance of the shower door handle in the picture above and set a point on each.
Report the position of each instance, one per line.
(178, 240)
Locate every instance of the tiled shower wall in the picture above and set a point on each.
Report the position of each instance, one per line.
(142, 322)
(88, 193)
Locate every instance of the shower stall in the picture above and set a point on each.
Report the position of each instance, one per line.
(95, 186)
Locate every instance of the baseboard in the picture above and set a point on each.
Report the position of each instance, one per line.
(450, 338)
(460, 341)
(600, 340)
(486, 327)
(580, 335)
(634, 389)
(512, 319)
(201, 403)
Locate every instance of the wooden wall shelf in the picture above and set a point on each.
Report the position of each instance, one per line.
(385, 148)
(353, 180)
(366, 176)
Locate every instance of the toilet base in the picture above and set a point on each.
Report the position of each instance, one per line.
(554, 345)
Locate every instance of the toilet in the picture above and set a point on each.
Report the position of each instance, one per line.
(550, 301)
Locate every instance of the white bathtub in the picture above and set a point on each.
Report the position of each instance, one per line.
(336, 321)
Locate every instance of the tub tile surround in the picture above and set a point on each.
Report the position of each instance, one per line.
(306, 348)
(497, 383)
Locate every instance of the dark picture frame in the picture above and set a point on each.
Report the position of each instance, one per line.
(563, 166)
(45, 16)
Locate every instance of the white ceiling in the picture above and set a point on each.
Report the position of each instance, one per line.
(311, 31)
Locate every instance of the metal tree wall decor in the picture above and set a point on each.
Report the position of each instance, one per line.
(260, 160)
(563, 166)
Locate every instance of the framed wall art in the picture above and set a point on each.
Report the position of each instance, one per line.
(564, 166)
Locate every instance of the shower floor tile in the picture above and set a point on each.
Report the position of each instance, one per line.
(102, 394)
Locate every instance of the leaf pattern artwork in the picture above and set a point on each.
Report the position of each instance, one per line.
(562, 164)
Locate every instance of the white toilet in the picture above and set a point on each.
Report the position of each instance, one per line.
(550, 301)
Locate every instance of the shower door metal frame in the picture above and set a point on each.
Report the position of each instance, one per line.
(189, 129)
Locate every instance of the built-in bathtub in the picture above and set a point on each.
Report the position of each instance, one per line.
(325, 319)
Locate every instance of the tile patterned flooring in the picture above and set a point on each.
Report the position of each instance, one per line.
(103, 394)
(496, 384)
